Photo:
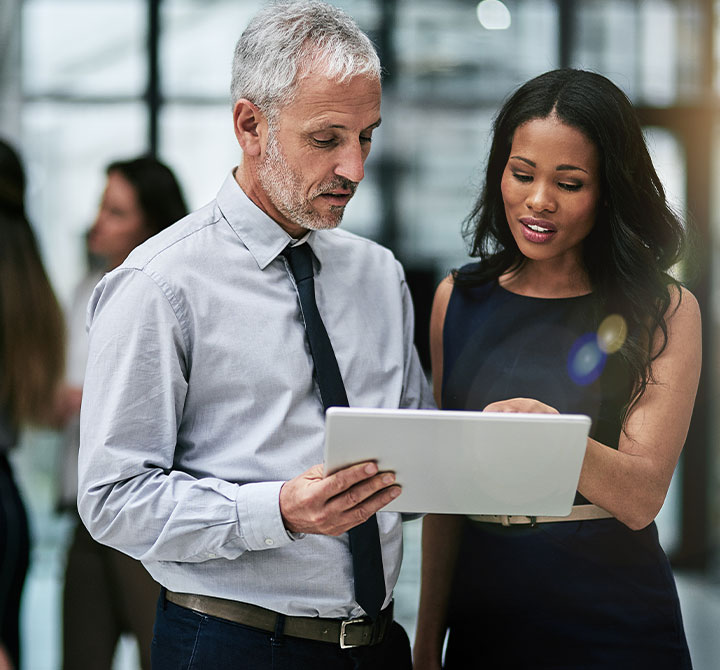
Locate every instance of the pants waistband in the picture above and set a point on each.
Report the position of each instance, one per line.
(578, 513)
(347, 633)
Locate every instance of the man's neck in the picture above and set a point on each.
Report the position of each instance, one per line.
(246, 177)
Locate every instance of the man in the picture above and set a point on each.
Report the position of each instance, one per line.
(203, 408)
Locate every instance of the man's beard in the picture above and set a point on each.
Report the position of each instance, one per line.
(284, 188)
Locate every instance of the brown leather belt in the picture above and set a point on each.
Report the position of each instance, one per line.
(578, 513)
(347, 633)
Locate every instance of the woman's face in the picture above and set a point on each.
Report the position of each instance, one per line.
(550, 189)
(120, 225)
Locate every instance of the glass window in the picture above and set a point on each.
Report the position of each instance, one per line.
(198, 143)
(66, 148)
(443, 153)
(444, 52)
(196, 46)
(668, 158)
(83, 48)
(652, 50)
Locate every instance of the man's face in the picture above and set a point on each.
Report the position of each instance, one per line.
(315, 152)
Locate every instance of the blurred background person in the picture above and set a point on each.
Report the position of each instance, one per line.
(107, 593)
(31, 364)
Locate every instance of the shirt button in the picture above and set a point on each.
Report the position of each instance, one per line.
(269, 542)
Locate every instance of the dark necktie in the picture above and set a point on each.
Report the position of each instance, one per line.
(365, 538)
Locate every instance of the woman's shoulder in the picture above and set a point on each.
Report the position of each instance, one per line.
(682, 302)
(684, 309)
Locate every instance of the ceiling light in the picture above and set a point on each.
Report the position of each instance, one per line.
(493, 15)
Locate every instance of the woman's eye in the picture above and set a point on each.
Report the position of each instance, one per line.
(524, 178)
(570, 187)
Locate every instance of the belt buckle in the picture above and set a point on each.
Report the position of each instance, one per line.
(505, 520)
(343, 632)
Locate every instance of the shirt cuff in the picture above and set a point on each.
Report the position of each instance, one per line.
(258, 508)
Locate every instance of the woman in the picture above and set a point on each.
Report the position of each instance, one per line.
(571, 308)
(31, 363)
(106, 592)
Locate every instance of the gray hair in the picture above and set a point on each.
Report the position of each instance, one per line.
(287, 40)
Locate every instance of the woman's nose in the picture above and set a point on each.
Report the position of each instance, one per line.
(541, 199)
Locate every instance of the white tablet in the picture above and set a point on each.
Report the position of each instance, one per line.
(457, 462)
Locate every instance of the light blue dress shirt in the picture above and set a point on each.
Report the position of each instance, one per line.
(199, 402)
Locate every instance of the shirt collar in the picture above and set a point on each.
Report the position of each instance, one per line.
(263, 236)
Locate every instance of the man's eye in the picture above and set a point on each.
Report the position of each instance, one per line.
(322, 143)
(366, 139)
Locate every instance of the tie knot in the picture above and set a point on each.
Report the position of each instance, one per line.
(300, 259)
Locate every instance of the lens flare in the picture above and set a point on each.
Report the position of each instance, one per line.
(612, 333)
(586, 360)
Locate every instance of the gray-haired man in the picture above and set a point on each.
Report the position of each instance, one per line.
(202, 406)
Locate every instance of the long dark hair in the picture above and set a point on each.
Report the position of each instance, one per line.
(32, 333)
(158, 192)
(12, 180)
(636, 238)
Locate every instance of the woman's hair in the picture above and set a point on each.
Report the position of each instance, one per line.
(158, 192)
(636, 238)
(285, 41)
(32, 334)
(12, 180)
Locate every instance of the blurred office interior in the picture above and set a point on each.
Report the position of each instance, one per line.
(85, 82)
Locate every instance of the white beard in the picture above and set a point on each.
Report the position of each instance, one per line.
(283, 186)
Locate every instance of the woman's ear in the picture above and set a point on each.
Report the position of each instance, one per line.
(250, 127)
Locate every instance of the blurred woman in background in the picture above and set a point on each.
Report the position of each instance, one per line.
(106, 592)
(31, 365)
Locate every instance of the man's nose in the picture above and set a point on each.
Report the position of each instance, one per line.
(351, 162)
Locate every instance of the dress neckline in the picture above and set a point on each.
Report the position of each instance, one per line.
(530, 297)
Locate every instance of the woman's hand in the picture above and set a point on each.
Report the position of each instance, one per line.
(529, 405)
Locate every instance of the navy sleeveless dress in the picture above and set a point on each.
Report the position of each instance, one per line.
(587, 594)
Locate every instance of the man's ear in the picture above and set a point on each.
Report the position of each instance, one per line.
(250, 127)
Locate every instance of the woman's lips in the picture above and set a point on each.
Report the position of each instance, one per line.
(537, 231)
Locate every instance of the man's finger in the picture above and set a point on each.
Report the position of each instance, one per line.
(344, 479)
(361, 513)
(359, 493)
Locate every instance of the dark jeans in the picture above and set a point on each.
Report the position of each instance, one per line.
(187, 640)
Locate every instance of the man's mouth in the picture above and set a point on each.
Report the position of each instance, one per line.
(337, 199)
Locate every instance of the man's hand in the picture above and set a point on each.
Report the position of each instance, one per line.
(311, 503)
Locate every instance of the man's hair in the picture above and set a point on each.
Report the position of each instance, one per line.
(287, 40)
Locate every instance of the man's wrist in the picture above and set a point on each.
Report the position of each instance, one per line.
(259, 518)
